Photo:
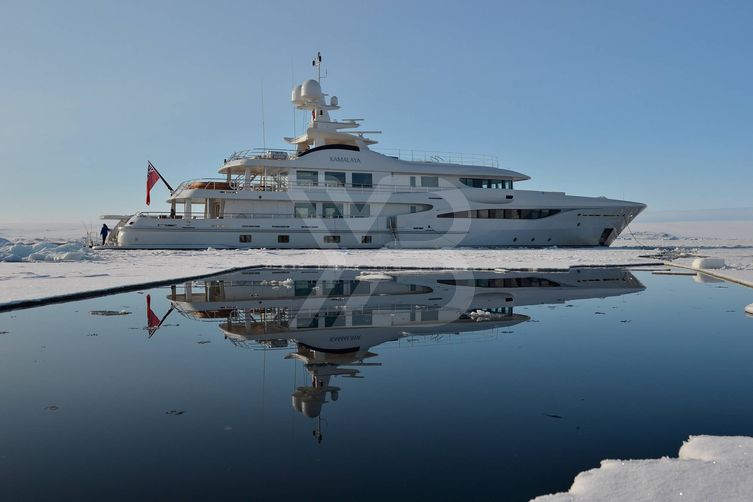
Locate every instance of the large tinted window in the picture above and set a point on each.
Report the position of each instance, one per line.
(500, 282)
(307, 177)
(305, 210)
(334, 179)
(506, 214)
(362, 180)
(429, 181)
(486, 183)
(360, 210)
(332, 210)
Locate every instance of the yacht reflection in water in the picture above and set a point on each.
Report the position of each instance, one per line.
(332, 318)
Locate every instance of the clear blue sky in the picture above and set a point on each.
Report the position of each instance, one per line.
(650, 100)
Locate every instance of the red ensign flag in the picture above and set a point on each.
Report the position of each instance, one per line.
(152, 176)
(152, 321)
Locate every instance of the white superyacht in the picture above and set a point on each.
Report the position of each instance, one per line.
(333, 191)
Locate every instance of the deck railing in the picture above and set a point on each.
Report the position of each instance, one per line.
(200, 216)
(427, 156)
(239, 184)
(410, 155)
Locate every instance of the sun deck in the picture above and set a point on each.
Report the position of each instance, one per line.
(419, 156)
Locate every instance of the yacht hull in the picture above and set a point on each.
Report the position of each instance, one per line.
(595, 226)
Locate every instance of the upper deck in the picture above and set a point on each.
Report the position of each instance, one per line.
(423, 156)
(358, 159)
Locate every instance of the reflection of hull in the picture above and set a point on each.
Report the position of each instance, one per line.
(268, 304)
(334, 317)
(349, 339)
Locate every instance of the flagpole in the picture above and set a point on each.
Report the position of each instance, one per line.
(160, 177)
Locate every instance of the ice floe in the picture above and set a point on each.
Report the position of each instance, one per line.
(45, 251)
(707, 468)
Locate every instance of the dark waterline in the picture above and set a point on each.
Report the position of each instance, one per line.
(325, 384)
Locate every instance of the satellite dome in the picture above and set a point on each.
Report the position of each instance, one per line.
(298, 400)
(311, 90)
(312, 408)
(296, 94)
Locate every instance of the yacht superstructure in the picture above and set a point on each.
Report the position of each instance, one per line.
(333, 191)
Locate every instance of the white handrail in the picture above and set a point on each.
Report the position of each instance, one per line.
(456, 158)
(237, 184)
(410, 155)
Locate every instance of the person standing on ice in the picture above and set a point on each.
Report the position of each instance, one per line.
(105, 230)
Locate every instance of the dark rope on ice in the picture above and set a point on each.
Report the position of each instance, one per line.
(627, 225)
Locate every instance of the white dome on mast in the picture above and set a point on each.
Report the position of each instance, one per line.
(296, 97)
(322, 129)
(311, 90)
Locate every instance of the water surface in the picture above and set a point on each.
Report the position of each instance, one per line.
(340, 384)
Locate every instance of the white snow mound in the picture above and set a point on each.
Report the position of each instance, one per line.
(45, 251)
(707, 262)
(708, 468)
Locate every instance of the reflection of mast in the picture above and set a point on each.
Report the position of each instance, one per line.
(322, 366)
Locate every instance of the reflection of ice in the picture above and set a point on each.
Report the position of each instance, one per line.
(332, 318)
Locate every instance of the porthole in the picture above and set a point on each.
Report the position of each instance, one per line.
(515, 239)
(533, 239)
(283, 239)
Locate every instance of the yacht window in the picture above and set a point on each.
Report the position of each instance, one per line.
(332, 239)
(507, 214)
(506, 282)
(334, 319)
(333, 288)
(245, 238)
(362, 180)
(305, 210)
(283, 239)
(362, 318)
(412, 181)
(430, 315)
(360, 210)
(413, 209)
(310, 178)
(308, 321)
(487, 183)
(304, 288)
(334, 179)
(332, 210)
(429, 181)
(366, 239)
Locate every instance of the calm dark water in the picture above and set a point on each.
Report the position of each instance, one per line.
(324, 384)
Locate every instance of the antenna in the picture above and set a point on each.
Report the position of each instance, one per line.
(292, 85)
(263, 126)
(317, 63)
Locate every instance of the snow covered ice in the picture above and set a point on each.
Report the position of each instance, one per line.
(45, 251)
(708, 468)
(33, 267)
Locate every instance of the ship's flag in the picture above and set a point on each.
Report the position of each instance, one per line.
(152, 321)
(152, 176)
